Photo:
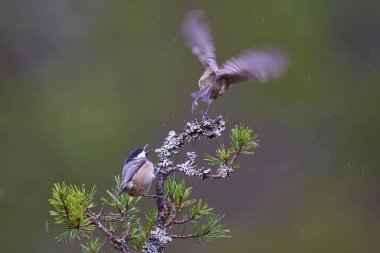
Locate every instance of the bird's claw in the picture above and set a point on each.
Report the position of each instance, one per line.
(204, 116)
(195, 104)
(153, 196)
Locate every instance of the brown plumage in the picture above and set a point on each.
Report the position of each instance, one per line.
(260, 66)
(137, 174)
(141, 180)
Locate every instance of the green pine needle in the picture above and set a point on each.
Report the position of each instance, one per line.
(243, 141)
(91, 246)
(140, 231)
(210, 229)
(199, 210)
(124, 206)
(70, 204)
(178, 192)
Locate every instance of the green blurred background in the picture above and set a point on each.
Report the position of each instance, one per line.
(84, 82)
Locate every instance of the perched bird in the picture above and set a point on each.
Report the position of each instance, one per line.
(138, 173)
(261, 65)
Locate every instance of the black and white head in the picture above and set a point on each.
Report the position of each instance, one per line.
(137, 154)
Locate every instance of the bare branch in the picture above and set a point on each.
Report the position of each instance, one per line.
(117, 243)
(182, 236)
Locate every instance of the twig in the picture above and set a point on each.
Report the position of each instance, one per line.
(226, 169)
(117, 243)
(182, 236)
(187, 236)
(66, 209)
(179, 222)
(234, 157)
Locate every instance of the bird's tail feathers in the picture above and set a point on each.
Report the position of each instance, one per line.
(202, 94)
(120, 192)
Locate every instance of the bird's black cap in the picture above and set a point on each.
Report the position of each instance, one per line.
(134, 154)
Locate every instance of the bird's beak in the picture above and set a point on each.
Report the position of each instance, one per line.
(147, 152)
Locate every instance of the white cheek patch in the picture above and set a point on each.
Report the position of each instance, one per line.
(141, 155)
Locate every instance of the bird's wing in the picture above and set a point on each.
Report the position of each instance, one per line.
(255, 65)
(198, 38)
(129, 170)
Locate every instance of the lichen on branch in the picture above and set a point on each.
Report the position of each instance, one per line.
(125, 228)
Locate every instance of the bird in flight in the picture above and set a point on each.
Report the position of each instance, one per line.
(255, 65)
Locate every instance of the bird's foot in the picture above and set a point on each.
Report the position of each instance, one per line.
(204, 116)
(157, 171)
(153, 196)
(195, 104)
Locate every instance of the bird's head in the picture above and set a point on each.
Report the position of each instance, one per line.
(138, 153)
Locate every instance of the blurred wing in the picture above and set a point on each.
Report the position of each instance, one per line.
(130, 169)
(258, 66)
(198, 38)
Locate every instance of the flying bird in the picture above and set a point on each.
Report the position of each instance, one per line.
(259, 65)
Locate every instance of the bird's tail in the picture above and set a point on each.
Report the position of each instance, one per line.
(120, 192)
(203, 94)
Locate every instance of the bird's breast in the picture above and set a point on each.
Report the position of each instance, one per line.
(208, 78)
(141, 180)
(144, 174)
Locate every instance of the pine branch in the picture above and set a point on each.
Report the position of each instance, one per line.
(174, 208)
(116, 242)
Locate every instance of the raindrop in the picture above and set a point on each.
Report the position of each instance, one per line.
(47, 226)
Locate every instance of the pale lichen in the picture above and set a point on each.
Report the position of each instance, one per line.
(224, 171)
(159, 238)
(194, 130)
(189, 167)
